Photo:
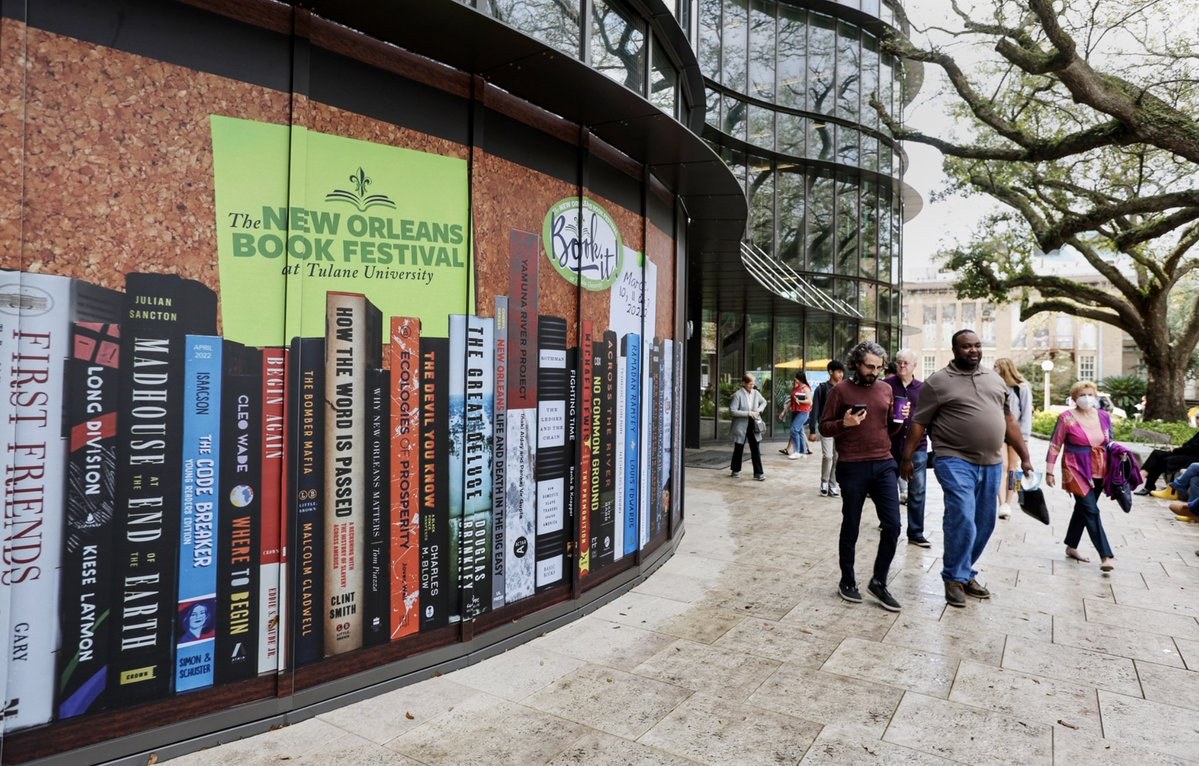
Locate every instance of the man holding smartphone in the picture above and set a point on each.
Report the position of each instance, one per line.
(857, 416)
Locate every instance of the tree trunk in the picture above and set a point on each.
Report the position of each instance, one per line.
(1167, 379)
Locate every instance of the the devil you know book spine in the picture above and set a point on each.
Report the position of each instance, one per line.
(552, 457)
(160, 310)
(521, 447)
(437, 591)
(306, 496)
(377, 629)
(272, 577)
(405, 476)
(499, 454)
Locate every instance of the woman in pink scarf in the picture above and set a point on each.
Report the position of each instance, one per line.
(1082, 434)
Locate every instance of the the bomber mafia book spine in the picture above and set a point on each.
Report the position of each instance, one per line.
(608, 497)
(160, 311)
(499, 452)
(377, 627)
(655, 456)
(240, 501)
(272, 574)
(352, 346)
(631, 355)
(474, 540)
(586, 501)
(405, 476)
(306, 497)
(520, 514)
(552, 458)
(437, 591)
(199, 527)
(595, 471)
(85, 610)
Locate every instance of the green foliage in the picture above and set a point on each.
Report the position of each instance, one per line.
(1125, 391)
(1043, 423)
(1178, 432)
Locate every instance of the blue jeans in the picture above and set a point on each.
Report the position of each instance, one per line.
(1187, 485)
(1086, 515)
(876, 478)
(916, 487)
(798, 442)
(971, 506)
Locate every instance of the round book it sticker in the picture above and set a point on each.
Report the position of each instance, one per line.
(583, 243)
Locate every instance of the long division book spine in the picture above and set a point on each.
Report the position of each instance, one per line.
(272, 582)
(160, 310)
(586, 378)
(552, 394)
(93, 376)
(436, 589)
(378, 570)
(241, 510)
(521, 448)
(474, 544)
(632, 454)
(608, 498)
(306, 497)
(199, 539)
(405, 476)
(499, 453)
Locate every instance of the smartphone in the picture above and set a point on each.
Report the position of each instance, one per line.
(858, 409)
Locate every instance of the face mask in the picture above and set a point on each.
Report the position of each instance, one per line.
(1086, 402)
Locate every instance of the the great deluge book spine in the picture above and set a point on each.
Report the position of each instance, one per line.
(306, 496)
(437, 591)
(474, 545)
(199, 538)
(160, 310)
(240, 502)
(586, 501)
(85, 611)
(608, 498)
(499, 459)
(405, 476)
(378, 570)
(272, 575)
(456, 449)
(631, 353)
(520, 514)
(552, 458)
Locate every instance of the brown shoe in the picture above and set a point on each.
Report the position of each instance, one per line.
(973, 588)
(955, 594)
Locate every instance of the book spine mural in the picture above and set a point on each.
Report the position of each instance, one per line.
(586, 434)
(676, 508)
(499, 450)
(656, 447)
(456, 398)
(85, 611)
(552, 395)
(649, 312)
(272, 575)
(240, 512)
(378, 565)
(668, 400)
(520, 514)
(199, 538)
(595, 473)
(306, 362)
(621, 441)
(631, 351)
(437, 591)
(405, 476)
(474, 567)
(160, 310)
(608, 497)
(570, 504)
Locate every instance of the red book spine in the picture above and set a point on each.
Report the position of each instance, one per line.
(586, 350)
(405, 476)
(271, 579)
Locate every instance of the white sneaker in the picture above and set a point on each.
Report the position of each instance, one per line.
(1005, 510)
(834, 492)
(793, 456)
(824, 488)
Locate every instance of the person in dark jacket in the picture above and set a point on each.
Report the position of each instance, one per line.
(1162, 462)
(828, 450)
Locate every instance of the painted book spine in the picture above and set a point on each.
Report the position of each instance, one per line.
(306, 363)
(632, 455)
(272, 577)
(499, 453)
(621, 441)
(456, 385)
(199, 528)
(595, 475)
(608, 497)
(552, 395)
(160, 310)
(586, 380)
(520, 515)
(655, 469)
(664, 480)
(474, 549)
(10, 324)
(378, 544)
(405, 476)
(93, 377)
(570, 504)
(436, 589)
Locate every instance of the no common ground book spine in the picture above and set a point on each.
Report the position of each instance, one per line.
(520, 515)
(595, 472)
(405, 476)
(586, 434)
(474, 545)
(437, 591)
(499, 458)
(272, 575)
(306, 497)
(631, 353)
(378, 570)
(552, 396)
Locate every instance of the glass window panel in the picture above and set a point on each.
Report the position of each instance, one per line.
(617, 46)
(709, 38)
(870, 6)
(790, 137)
(869, 78)
(869, 258)
(849, 71)
(888, 14)
(788, 356)
(819, 350)
(869, 159)
(712, 112)
(761, 360)
(736, 162)
(896, 228)
(969, 315)
(820, 141)
(761, 206)
(792, 56)
(987, 327)
(930, 324)
(554, 23)
(847, 145)
(884, 161)
(707, 375)
(734, 118)
(845, 337)
(928, 365)
(820, 222)
(870, 298)
(663, 91)
(1064, 331)
(736, 33)
(1088, 336)
(790, 190)
(761, 49)
(886, 83)
(847, 224)
(822, 43)
(761, 127)
(949, 324)
(731, 339)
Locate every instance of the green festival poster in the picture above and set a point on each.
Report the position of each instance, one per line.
(300, 214)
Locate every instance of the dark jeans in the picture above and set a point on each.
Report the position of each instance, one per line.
(755, 453)
(1086, 514)
(876, 478)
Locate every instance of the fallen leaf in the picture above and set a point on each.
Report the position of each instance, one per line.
(152, 759)
(1067, 725)
(409, 716)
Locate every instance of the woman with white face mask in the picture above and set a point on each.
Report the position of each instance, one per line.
(1082, 435)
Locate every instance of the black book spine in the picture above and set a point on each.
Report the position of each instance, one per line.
(573, 438)
(378, 510)
(160, 310)
(239, 545)
(550, 548)
(438, 593)
(607, 550)
(306, 480)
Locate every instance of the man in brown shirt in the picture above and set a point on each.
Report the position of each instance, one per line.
(857, 416)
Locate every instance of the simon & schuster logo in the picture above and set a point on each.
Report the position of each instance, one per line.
(359, 198)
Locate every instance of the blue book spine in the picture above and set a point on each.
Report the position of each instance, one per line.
(632, 451)
(195, 633)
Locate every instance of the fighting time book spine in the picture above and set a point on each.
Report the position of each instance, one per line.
(520, 515)
(437, 591)
(306, 364)
(552, 394)
(405, 476)
(272, 575)
(499, 453)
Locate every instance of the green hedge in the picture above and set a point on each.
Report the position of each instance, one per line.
(1043, 423)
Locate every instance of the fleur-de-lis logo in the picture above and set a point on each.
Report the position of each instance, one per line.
(359, 198)
(360, 182)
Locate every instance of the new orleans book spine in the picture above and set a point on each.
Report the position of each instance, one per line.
(405, 476)
(474, 543)
(378, 570)
(520, 514)
(306, 496)
(631, 353)
(552, 395)
(85, 611)
(499, 453)
(196, 615)
(608, 498)
(272, 582)
(160, 310)
(240, 502)
(586, 380)
(437, 591)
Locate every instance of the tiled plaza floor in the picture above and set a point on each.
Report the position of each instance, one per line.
(738, 651)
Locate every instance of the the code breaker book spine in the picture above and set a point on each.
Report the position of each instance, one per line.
(160, 309)
(499, 453)
(240, 501)
(196, 615)
(306, 497)
(520, 515)
(436, 590)
(552, 395)
(405, 476)
(272, 582)
(631, 353)
(85, 611)
(608, 499)
(378, 570)
(474, 543)
(586, 378)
